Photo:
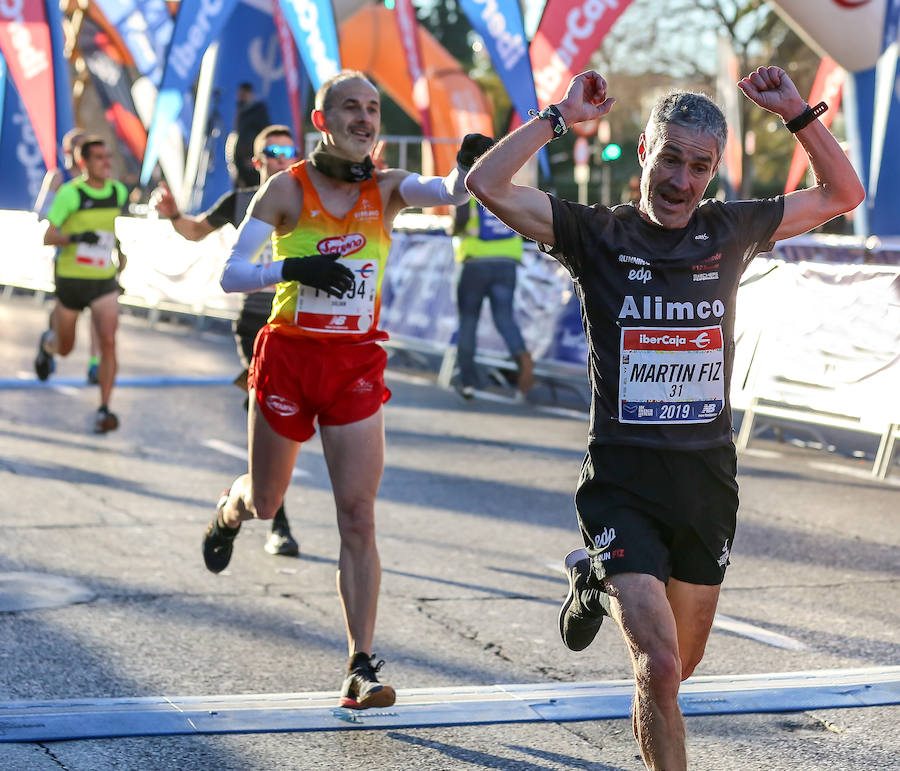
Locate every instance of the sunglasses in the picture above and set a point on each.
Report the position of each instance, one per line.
(280, 151)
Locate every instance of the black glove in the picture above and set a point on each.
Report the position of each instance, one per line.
(472, 148)
(320, 271)
(87, 237)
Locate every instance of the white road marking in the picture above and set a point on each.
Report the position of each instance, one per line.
(756, 453)
(240, 453)
(858, 473)
(765, 636)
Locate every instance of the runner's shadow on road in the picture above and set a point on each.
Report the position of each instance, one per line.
(80, 476)
(479, 759)
(400, 437)
(792, 546)
(482, 497)
(462, 584)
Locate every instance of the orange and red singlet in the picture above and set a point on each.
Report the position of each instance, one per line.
(363, 244)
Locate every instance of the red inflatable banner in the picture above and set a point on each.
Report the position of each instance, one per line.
(409, 38)
(569, 32)
(27, 48)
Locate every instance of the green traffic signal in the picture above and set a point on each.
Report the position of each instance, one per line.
(389, 4)
(611, 152)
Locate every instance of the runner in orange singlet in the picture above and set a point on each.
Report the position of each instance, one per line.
(318, 359)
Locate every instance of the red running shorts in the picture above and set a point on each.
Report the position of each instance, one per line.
(300, 381)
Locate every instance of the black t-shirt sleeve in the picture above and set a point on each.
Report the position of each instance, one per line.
(222, 211)
(572, 225)
(756, 223)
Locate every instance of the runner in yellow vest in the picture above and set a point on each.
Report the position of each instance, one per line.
(82, 223)
(490, 253)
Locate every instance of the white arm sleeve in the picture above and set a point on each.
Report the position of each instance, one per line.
(240, 273)
(435, 191)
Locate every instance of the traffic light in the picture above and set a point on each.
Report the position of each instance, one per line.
(611, 152)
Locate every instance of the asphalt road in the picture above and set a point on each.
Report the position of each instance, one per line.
(474, 518)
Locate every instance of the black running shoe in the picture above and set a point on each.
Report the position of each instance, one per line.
(218, 543)
(585, 606)
(280, 541)
(43, 362)
(105, 421)
(361, 687)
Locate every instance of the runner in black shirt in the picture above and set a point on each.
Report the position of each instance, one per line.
(273, 151)
(657, 281)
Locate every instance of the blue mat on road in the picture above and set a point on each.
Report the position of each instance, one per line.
(427, 707)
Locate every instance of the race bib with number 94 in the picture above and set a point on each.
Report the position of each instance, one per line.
(352, 313)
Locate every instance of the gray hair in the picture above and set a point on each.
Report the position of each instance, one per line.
(323, 100)
(690, 110)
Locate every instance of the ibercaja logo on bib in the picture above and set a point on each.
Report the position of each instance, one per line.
(343, 245)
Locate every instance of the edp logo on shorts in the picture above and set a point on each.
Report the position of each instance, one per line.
(281, 406)
(605, 538)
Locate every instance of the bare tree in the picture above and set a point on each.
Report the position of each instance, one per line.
(675, 41)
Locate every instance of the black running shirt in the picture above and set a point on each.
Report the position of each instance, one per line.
(658, 307)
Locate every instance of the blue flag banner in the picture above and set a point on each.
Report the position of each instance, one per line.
(312, 25)
(884, 188)
(249, 51)
(62, 83)
(2, 94)
(198, 23)
(22, 166)
(500, 25)
(891, 24)
(146, 31)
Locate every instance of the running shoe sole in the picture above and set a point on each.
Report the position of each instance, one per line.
(109, 422)
(380, 697)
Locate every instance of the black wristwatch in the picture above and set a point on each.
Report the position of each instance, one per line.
(551, 112)
(805, 118)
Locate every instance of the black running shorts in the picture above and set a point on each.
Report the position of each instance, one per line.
(666, 513)
(76, 294)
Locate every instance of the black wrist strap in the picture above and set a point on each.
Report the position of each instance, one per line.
(805, 118)
(551, 112)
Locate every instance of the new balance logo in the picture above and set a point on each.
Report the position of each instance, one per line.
(726, 553)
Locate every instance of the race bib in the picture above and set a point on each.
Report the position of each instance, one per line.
(671, 375)
(97, 255)
(352, 313)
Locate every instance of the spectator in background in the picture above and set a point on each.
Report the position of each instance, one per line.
(490, 253)
(251, 118)
(632, 194)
